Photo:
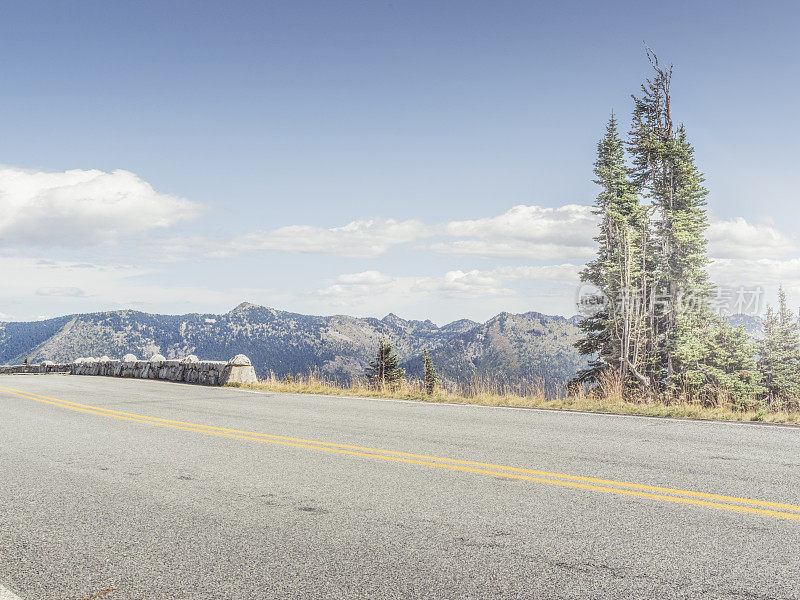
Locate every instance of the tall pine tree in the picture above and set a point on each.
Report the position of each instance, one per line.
(779, 362)
(665, 172)
(656, 330)
(614, 333)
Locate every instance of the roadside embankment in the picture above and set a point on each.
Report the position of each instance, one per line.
(585, 402)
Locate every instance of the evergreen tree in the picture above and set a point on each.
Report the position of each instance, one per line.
(665, 172)
(716, 361)
(656, 329)
(614, 332)
(779, 362)
(429, 372)
(385, 369)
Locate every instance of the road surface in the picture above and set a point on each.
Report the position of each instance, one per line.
(130, 489)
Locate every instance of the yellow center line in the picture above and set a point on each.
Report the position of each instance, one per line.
(651, 488)
(572, 481)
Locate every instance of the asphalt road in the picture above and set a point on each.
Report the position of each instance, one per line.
(93, 500)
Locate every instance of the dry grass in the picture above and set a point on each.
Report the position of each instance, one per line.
(608, 398)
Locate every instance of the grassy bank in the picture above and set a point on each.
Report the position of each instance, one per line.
(488, 394)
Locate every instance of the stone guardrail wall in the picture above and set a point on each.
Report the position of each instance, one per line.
(44, 367)
(190, 369)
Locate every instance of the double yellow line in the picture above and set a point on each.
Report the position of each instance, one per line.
(732, 503)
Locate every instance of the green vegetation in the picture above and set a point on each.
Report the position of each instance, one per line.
(385, 371)
(429, 373)
(653, 330)
(779, 362)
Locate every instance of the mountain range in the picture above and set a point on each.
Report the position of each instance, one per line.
(508, 348)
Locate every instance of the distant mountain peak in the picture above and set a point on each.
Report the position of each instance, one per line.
(393, 318)
(244, 307)
(460, 325)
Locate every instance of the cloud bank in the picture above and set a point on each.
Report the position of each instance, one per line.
(80, 208)
(532, 232)
(358, 239)
(452, 284)
(46, 214)
(524, 232)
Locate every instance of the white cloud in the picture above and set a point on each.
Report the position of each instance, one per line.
(80, 208)
(568, 231)
(766, 274)
(364, 238)
(66, 292)
(737, 238)
(365, 278)
(366, 285)
(564, 273)
(458, 284)
(755, 272)
(749, 255)
(524, 232)
(495, 282)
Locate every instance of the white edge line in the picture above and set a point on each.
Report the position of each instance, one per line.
(7, 594)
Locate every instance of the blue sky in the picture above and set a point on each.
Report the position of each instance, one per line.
(367, 157)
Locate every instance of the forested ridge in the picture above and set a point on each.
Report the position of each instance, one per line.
(511, 348)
